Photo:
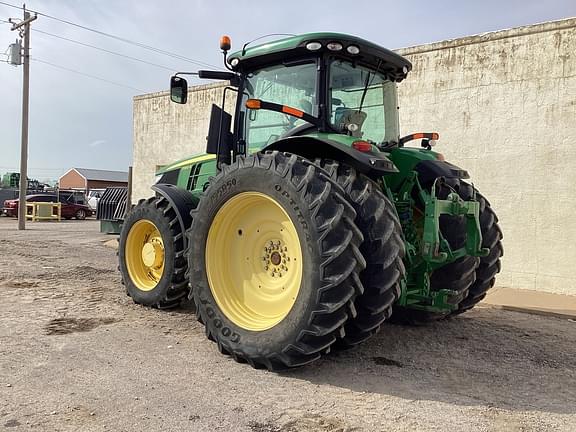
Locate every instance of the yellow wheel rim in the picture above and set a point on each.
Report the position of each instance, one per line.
(253, 261)
(144, 254)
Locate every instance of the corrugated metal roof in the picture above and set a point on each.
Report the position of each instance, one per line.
(103, 175)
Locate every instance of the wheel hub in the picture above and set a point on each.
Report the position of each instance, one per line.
(153, 254)
(276, 258)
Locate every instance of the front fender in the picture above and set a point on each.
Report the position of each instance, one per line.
(181, 201)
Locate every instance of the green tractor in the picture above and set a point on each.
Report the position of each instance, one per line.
(308, 222)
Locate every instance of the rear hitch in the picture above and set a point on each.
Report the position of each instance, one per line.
(434, 248)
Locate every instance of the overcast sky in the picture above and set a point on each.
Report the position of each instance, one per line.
(76, 121)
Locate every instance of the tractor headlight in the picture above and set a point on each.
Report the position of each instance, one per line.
(234, 62)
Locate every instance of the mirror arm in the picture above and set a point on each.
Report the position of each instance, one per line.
(185, 73)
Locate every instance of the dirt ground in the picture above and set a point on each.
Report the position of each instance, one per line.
(77, 355)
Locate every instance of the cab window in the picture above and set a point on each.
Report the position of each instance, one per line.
(363, 102)
(291, 85)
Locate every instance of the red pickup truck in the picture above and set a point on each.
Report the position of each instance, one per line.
(69, 208)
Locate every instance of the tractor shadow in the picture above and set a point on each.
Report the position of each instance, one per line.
(486, 357)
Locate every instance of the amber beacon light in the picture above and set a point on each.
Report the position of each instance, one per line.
(225, 43)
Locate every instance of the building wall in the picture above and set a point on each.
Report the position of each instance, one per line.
(504, 104)
(165, 132)
(72, 180)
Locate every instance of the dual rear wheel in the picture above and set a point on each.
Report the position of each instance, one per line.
(275, 261)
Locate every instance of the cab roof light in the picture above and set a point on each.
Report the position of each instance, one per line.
(334, 46)
(313, 46)
(353, 49)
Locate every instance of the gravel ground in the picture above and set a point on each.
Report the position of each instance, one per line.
(77, 355)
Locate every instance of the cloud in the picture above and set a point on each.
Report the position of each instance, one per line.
(96, 143)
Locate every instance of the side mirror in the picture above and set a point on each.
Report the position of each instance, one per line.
(178, 90)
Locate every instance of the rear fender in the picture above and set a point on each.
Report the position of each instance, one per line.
(373, 164)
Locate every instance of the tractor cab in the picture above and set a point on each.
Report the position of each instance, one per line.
(332, 90)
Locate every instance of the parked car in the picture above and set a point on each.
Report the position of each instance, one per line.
(71, 207)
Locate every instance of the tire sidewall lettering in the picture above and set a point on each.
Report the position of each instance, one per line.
(292, 203)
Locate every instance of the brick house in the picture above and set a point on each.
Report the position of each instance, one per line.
(86, 179)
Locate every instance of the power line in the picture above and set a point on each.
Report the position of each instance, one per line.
(119, 38)
(104, 50)
(88, 75)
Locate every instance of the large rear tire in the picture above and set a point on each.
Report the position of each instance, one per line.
(274, 260)
(151, 255)
(382, 248)
(489, 265)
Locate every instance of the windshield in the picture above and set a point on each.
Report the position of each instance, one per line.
(291, 85)
(363, 103)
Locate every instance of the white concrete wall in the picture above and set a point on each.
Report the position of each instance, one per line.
(504, 104)
(164, 132)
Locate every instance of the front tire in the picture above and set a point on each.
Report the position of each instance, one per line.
(274, 260)
(151, 255)
(81, 214)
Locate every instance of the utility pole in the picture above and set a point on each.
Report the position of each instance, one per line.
(24, 27)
